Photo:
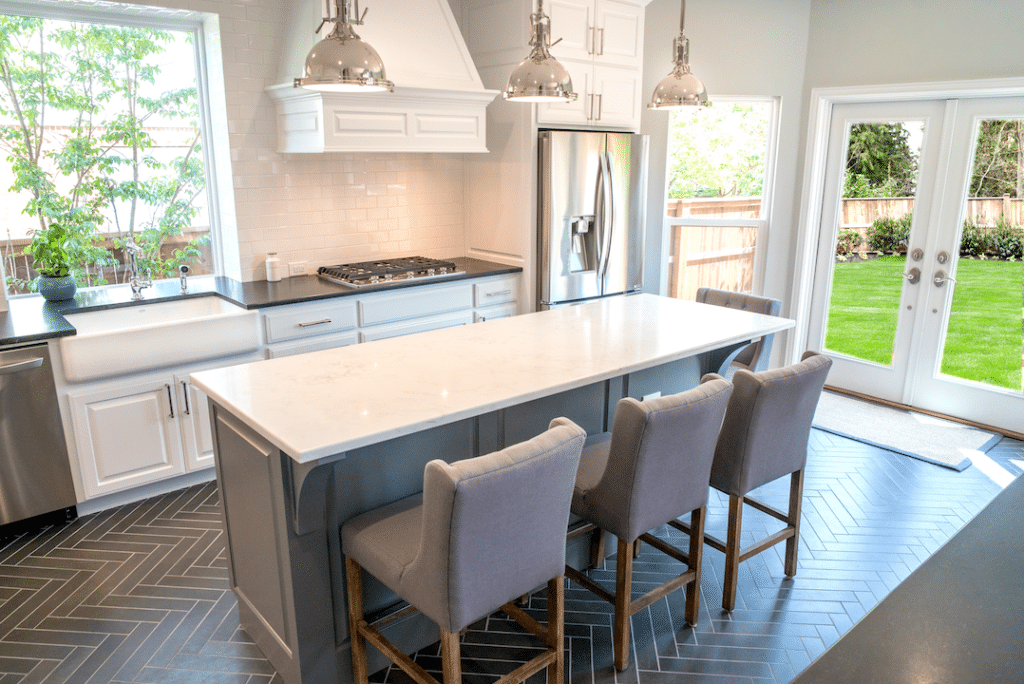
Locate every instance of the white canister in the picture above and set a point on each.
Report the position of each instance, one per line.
(275, 267)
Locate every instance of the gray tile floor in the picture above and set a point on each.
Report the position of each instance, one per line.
(139, 593)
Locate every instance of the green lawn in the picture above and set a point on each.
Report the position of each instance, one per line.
(984, 340)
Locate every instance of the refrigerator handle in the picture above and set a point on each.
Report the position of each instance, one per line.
(607, 219)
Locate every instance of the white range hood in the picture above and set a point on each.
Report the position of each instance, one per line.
(439, 103)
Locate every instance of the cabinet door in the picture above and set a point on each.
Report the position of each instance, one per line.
(619, 100)
(572, 21)
(619, 37)
(577, 112)
(194, 419)
(127, 435)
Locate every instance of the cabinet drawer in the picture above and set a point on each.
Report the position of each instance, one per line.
(382, 332)
(498, 291)
(493, 312)
(419, 301)
(318, 319)
(318, 344)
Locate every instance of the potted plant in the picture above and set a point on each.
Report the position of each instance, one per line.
(51, 254)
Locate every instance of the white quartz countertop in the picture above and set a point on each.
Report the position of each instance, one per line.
(323, 403)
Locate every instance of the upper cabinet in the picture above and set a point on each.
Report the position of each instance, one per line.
(600, 43)
(439, 103)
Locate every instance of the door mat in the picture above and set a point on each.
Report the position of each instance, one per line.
(916, 435)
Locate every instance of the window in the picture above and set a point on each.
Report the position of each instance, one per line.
(104, 125)
(719, 185)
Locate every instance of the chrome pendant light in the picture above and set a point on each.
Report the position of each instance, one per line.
(680, 89)
(343, 62)
(539, 77)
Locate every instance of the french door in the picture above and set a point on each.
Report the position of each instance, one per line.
(922, 326)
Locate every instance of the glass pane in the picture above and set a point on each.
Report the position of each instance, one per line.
(983, 340)
(879, 186)
(113, 149)
(711, 256)
(717, 160)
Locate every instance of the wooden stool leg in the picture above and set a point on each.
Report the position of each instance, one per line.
(696, 558)
(451, 665)
(796, 495)
(597, 548)
(354, 582)
(732, 552)
(637, 545)
(623, 594)
(556, 628)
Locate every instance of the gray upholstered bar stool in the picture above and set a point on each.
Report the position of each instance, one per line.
(753, 357)
(763, 438)
(483, 532)
(652, 468)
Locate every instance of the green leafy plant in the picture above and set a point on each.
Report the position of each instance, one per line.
(1006, 241)
(848, 241)
(972, 239)
(51, 251)
(889, 235)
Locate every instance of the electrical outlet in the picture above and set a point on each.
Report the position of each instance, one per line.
(652, 395)
(296, 268)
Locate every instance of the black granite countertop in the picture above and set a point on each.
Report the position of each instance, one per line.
(30, 318)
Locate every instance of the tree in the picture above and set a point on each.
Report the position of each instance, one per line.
(719, 152)
(880, 161)
(76, 101)
(999, 159)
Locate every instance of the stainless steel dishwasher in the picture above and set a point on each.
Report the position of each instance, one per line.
(35, 475)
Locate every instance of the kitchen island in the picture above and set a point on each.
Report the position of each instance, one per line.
(304, 443)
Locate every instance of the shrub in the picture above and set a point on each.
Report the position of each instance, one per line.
(848, 241)
(972, 239)
(888, 234)
(1006, 241)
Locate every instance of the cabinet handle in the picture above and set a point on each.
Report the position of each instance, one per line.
(590, 107)
(600, 98)
(593, 40)
(184, 393)
(170, 398)
(601, 50)
(306, 325)
(498, 294)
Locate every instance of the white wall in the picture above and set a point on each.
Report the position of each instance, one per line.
(737, 47)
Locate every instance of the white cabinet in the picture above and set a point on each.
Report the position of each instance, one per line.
(602, 48)
(313, 326)
(147, 428)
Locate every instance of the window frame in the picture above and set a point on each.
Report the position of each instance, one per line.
(767, 193)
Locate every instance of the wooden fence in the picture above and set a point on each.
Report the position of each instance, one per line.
(711, 256)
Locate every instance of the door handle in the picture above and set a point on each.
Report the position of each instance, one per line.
(941, 279)
(20, 366)
(607, 219)
(913, 276)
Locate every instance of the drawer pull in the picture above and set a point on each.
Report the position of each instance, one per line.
(498, 294)
(307, 325)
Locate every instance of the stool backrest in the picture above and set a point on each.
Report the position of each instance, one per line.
(755, 355)
(768, 424)
(659, 460)
(494, 526)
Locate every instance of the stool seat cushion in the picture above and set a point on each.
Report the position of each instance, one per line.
(385, 541)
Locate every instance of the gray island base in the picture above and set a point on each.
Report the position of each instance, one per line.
(304, 443)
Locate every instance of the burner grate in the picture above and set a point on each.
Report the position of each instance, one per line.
(386, 271)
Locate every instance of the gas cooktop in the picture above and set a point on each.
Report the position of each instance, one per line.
(388, 271)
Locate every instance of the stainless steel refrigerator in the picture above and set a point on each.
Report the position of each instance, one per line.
(592, 204)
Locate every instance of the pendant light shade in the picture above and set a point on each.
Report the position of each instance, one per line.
(539, 77)
(343, 62)
(680, 89)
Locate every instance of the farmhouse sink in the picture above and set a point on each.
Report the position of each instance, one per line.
(150, 335)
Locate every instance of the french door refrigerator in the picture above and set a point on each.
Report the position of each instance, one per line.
(592, 200)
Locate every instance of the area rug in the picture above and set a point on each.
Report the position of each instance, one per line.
(919, 436)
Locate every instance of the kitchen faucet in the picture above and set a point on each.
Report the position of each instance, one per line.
(137, 285)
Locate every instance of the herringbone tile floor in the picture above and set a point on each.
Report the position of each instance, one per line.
(140, 593)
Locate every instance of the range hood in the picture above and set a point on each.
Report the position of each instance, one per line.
(439, 103)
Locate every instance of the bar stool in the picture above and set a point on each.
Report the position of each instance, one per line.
(484, 531)
(753, 357)
(652, 468)
(763, 438)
